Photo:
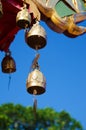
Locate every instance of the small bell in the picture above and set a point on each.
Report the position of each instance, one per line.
(1, 11)
(36, 37)
(36, 83)
(23, 18)
(8, 64)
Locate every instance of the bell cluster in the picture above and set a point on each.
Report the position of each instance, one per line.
(35, 37)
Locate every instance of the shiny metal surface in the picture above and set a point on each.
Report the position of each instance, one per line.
(23, 18)
(36, 83)
(8, 64)
(36, 37)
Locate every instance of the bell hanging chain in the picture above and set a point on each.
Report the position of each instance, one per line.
(35, 62)
(24, 4)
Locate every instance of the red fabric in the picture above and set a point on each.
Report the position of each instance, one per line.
(8, 27)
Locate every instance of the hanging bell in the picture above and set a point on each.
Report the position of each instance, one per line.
(23, 18)
(8, 64)
(36, 37)
(36, 83)
(1, 11)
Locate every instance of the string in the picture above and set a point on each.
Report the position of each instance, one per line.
(34, 103)
(9, 81)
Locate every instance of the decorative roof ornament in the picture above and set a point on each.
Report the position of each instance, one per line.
(64, 16)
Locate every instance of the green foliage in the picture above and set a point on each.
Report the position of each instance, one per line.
(18, 117)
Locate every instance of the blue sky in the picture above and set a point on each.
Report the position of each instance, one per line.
(62, 61)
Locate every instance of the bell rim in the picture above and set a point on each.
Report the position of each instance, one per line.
(40, 90)
(36, 44)
(23, 23)
(7, 70)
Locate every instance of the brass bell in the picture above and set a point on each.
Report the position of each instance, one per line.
(23, 18)
(36, 37)
(8, 64)
(36, 83)
(1, 11)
